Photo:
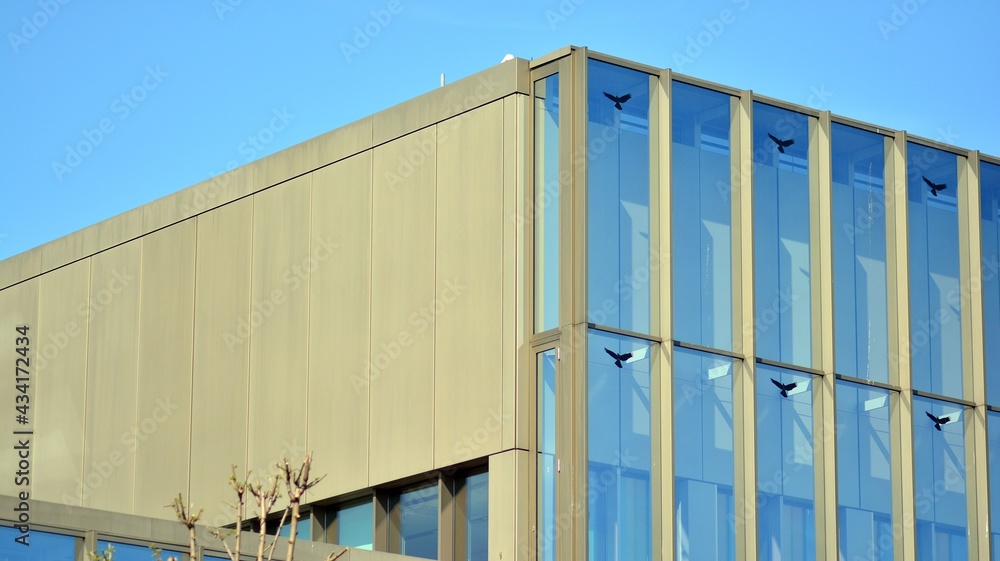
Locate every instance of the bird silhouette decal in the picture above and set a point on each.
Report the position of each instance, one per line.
(935, 187)
(626, 357)
(938, 421)
(782, 144)
(618, 100)
(785, 388)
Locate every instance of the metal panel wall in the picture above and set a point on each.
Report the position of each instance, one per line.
(18, 307)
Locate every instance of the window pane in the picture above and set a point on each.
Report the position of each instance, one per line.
(993, 430)
(785, 504)
(864, 472)
(128, 552)
(477, 517)
(781, 235)
(418, 522)
(41, 545)
(618, 269)
(989, 178)
(939, 462)
(935, 298)
(702, 217)
(618, 426)
(354, 525)
(859, 270)
(703, 448)
(303, 530)
(546, 455)
(546, 205)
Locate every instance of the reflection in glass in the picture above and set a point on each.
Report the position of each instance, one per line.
(618, 268)
(859, 250)
(702, 217)
(939, 477)
(41, 545)
(418, 522)
(864, 472)
(993, 433)
(935, 298)
(618, 424)
(781, 235)
(785, 493)
(546, 404)
(703, 452)
(989, 178)
(477, 517)
(129, 552)
(354, 525)
(546, 203)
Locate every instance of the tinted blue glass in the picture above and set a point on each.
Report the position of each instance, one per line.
(354, 525)
(783, 316)
(703, 448)
(618, 267)
(989, 179)
(546, 203)
(993, 432)
(546, 404)
(785, 503)
(418, 522)
(935, 296)
(302, 530)
(618, 446)
(939, 477)
(859, 266)
(128, 552)
(477, 517)
(41, 546)
(702, 217)
(864, 472)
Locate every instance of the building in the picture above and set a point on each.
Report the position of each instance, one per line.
(572, 308)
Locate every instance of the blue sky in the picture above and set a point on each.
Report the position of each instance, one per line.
(109, 105)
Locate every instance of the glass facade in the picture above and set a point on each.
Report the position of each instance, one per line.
(785, 489)
(701, 202)
(546, 447)
(993, 449)
(935, 296)
(129, 552)
(989, 179)
(476, 519)
(40, 545)
(415, 513)
(619, 448)
(545, 215)
(859, 254)
(618, 266)
(703, 448)
(939, 477)
(864, 472)
(354, 525)
(781, 234)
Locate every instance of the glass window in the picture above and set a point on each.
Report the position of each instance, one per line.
(546, 404)
(41, 545)
(782, 296)
(475, 522)
(702, 217)
(545, 213)
(864, 472)
(989, 179)
(303, 530)
(993, 433)
(354, 525)
(618, 426)
(939, 473)
(703, 448)
(785, 493)
(414, 514)
(129, 552)
(859, 266)
(935, 297)
(618, 268)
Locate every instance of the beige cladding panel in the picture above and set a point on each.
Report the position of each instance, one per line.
(109, 446)
(20, 266)
(221, 355)
(279, 323)
(467, 304)
(199, 198)
(86, 242)
(18, 308)
(401, 384)
(340, 288)
(64, 297)
(316, 152)
(166, 325)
